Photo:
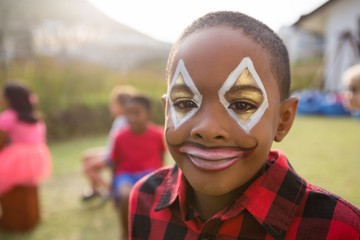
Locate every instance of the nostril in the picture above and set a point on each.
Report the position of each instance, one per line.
(198, 135)
(219, 137)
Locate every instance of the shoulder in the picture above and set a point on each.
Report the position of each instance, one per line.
(155, 131)
(119, 122)
(321, 205)
(152, 127)
(147, 192)
(7, 119)
(123, 133)
(8, 114)
(150, 183)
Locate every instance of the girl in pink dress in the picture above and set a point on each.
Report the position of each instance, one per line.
(24, 156)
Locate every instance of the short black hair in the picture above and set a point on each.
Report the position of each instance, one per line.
(142, 100)
(122, 94)
(254, 29)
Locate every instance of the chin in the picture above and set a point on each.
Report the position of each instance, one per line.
(211, 184)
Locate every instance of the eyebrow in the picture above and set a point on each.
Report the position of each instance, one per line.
(244, 88)
(181, 87)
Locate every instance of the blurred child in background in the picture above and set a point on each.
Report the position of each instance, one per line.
(138, 150)
(96, 159)
(24, 155)
(351, 80)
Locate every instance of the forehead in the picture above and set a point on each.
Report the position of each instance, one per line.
(135, 105)
(216, 52)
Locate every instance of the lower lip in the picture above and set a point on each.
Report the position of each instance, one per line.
(213, 165)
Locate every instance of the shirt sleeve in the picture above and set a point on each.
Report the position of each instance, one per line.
(7, 120)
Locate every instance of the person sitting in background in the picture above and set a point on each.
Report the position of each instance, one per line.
(351, 80)
(96, 159)
(138, 150)
(24, 155)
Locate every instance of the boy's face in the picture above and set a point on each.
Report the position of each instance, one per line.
(137, 116)
(208, 118)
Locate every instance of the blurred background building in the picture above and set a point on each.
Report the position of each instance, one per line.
(332, 32)
(72, 29)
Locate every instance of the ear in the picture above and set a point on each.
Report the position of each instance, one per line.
(287, 117)
(163, 99)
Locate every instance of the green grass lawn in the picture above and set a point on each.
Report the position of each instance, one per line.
(323, 150)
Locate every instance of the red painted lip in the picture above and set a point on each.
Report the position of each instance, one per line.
(212, 159)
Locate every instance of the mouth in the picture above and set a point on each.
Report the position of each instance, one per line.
(212, 159)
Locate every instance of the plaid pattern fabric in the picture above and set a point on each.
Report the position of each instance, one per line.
(277, 205)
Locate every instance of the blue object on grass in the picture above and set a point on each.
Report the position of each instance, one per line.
(315, 102)
(356, 115)
(332, 105)
(309, 102)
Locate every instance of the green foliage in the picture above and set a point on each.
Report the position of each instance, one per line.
(74, 95)
(307, 74)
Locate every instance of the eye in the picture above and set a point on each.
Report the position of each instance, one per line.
(354, 90)
(185, 105)
(243, 106)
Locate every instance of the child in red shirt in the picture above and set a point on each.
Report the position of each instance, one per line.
(227, 101)
(138, 150)
(97, 159)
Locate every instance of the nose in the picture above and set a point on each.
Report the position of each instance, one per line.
(212, 125)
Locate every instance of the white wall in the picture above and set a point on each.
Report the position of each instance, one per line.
(343, 16)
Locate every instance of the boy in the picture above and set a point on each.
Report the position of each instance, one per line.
(138, 150)
(96, 159)
(227, 100)
(351, 79)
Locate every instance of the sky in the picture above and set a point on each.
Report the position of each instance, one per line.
(165, 19)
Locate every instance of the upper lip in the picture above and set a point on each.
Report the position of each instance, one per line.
(211, 153)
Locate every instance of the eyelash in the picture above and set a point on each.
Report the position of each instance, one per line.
(185, 104)
(248, 106)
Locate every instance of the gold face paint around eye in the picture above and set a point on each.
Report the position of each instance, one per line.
(180, 92)
(183, 96)
(243, 95)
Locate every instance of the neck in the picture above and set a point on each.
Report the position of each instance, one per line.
(208, 206)
(140, 130)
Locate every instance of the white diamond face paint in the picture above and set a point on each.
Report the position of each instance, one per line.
(183, 96)
(243, 95)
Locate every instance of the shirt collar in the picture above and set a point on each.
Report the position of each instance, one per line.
(173, 186)
(272, 199)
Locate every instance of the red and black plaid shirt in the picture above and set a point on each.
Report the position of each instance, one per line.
(277, 205)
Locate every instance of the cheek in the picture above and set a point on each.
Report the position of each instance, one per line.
(265, 131)
(175, 135)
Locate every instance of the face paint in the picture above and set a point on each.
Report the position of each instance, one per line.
(243, 95)
(183, 96)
